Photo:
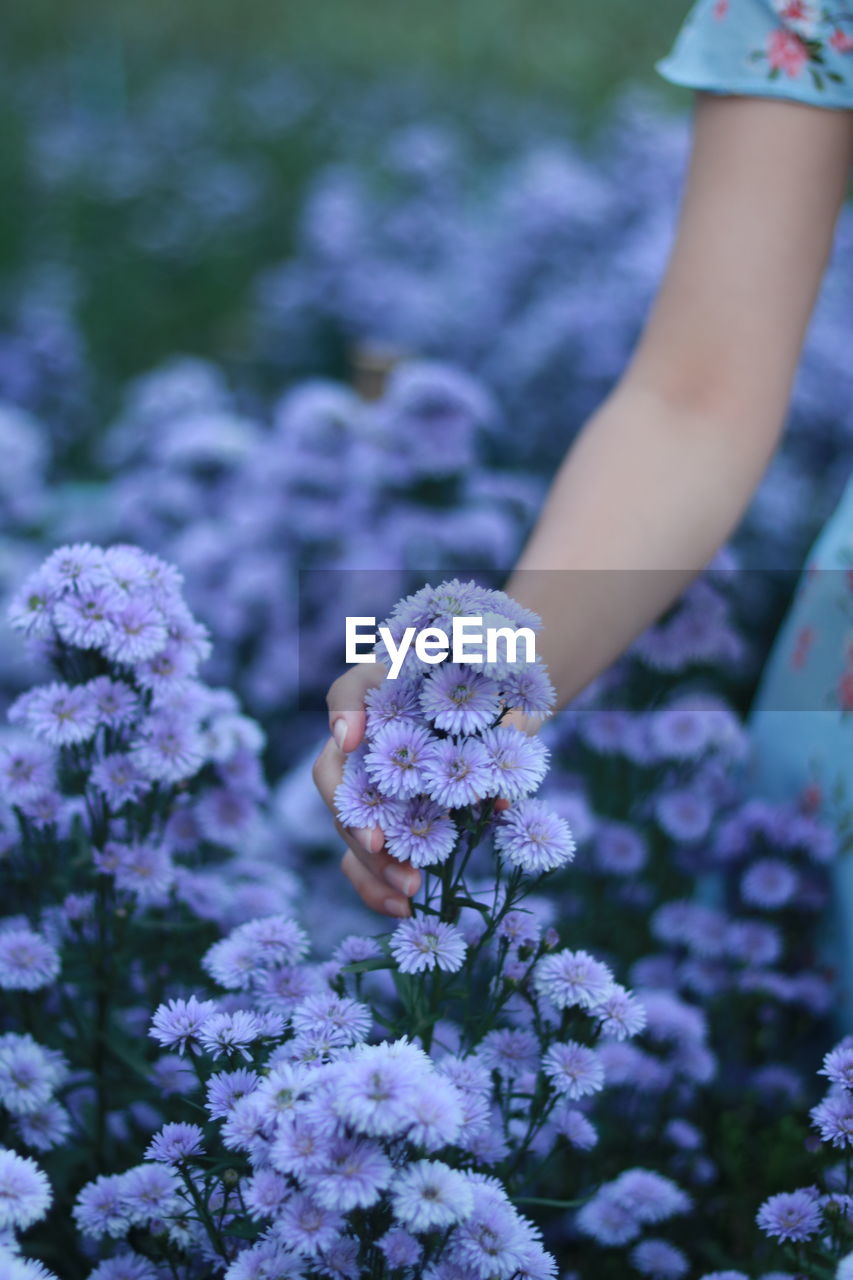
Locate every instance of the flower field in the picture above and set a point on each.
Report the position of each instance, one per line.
(305, 348)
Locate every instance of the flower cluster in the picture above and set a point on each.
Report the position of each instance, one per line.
(814, 1226)
(134, 828)
(379, 1113)
(436, 745)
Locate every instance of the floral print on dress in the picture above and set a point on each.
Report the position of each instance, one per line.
(819, 643)
(795, 49)
(799, 43)
(802, 720)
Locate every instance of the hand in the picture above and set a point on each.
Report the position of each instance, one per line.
(383, 883)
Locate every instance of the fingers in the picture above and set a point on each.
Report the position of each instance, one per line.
(372, 890)
(516, 719)
(328, 770)
(400, 877)
(345, 700)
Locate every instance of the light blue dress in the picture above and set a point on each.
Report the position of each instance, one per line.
(802, 717)
(796, 49)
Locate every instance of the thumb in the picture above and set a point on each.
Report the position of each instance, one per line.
(345, 701)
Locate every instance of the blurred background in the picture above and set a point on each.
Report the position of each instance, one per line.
(333, 286)
(118, 117)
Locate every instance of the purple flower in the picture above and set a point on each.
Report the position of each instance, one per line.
(458, 773)
(178, 1024)
(350, 1173)
(225, 1088)
(769, 884)
(838, 1064)
(528, 688)
(392, 700)
(430, 1196)
(532, 837)
(27, 960)
(224, 1033)
(573, 1069)
(138, 631)
(26, 769)
(791, 1215)
(226, 816)
(570, 978)
(420, 832)
(45, 1128)
(358, 799)
(120, 779)
(682, 731)
(834, 1118)
(400, 1249)
(619, 849)
(342, 1020)
(460, 700)
(519, 762)
(512, 1051)
(59, 714)
(576, 1128)
(621, 1015)
(151, 1192)
(31, 609)
(354, 948)
(684, 815)
(175, 1142)
(754, 943)
(84, 618)
(168, 672)
(25, 1193)
(168, 749)
(650, 1196)
(604, 731)
(375, 1091)
(29, 1073)
(125, 1266)
(659, 1260)
(102, 1209)
(427, 943)
(254, 947)
(72, 566)
(145, 870)
(306, 1227)
(494, 1240)
(397, 758)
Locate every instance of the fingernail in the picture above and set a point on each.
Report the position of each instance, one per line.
(401, 879)
(395, 907)
(339, 732)
(367, 838)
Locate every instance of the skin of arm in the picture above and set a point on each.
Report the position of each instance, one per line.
(662, 471)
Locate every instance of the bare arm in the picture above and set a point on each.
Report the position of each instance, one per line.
(664, 469)
(662, 472)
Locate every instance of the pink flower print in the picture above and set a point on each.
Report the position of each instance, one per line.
(845, 691)
(811, 799)
(786, 52)
(721, 8)
(841, 41)
(803, 642)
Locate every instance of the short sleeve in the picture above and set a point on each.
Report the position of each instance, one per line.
(772, 48)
